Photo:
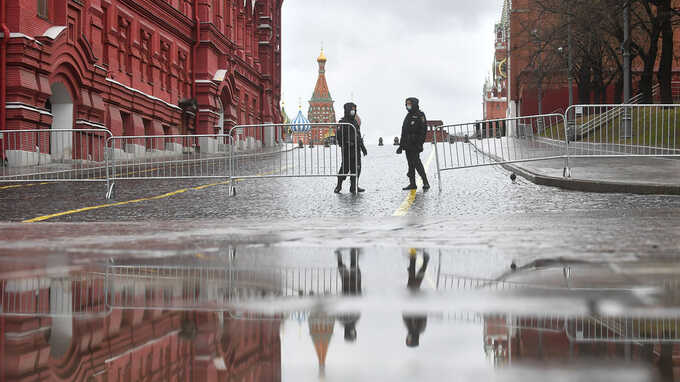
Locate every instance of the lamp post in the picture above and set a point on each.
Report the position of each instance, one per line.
(626, 128)
(570, 79)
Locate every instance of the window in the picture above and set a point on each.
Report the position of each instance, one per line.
(127, 123)
(43, 12)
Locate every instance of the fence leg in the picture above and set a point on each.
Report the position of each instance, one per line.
(566, 173)
(109, 192)
(232, 188)
(436, 157)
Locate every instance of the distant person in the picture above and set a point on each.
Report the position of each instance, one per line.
(413, 133)
(351, 286)
(415, 323)
(350, 140)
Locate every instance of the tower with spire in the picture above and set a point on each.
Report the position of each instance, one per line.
(321, 105)
(321, 327)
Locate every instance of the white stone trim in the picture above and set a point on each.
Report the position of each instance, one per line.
(101, 67)
(220, 75)
(208, 111)
(54, 32)
(148, 343)
(204, 81)
(20, 105)
(90, 123)
(20, 35)
(144, 94)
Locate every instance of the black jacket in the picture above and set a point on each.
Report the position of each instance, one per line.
(414, 129)
(349, 136)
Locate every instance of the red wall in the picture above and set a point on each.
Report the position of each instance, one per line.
(137, 57)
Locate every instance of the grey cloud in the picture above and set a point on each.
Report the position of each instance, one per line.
(384, 51)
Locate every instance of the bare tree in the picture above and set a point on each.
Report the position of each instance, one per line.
(595, 34)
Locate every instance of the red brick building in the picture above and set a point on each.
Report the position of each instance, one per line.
(521, 88)
(496, 88)
(144, 67)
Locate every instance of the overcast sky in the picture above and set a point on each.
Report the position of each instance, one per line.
(383, 51)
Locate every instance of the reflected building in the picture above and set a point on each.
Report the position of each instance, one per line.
(64, 327)
(656, 341)
(321, 327)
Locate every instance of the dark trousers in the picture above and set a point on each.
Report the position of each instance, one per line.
(351, 160)
(415, 164)
(350, 277)
(416, 278)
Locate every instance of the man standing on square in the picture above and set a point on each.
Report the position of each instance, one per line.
(413, 133)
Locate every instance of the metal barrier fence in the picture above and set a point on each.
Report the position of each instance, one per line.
(53, 155)
(207, 156)
(450, 281)
(500, 141)
(309, 150)
(195, 287)
(623, 329)
(213, 287)
(73, 294)
(623, 130)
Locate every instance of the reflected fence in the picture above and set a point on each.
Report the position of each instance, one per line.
(589, 328)
(212, 287)
(583, 132)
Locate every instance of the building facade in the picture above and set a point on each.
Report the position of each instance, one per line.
(144, 67)
(495, 98)
(530, 74)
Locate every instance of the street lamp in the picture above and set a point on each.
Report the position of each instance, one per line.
(569, 70)
(626, 128)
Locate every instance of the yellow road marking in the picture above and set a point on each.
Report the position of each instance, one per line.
(21, 185)
(134, 201)
(411, 197)
(99, 177)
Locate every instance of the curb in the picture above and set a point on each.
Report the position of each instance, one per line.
(602, 187)
(594, 186)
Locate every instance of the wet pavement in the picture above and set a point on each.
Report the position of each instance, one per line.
(250, 312)
(488, 280)
(471, 192)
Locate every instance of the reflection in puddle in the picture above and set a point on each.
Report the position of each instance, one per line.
(360, 315)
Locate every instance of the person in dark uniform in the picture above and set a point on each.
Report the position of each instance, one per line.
(413, 133)
(351, 286)
(415, 323)
(350, 140)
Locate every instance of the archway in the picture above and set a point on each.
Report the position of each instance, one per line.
(61, 142)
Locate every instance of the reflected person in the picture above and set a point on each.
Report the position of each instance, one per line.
(415, 323)
(351, 286)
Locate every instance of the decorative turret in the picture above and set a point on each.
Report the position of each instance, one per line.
(321, 105)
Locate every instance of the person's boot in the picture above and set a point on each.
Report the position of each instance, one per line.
(338, 188)
(411, 185)
(426, 184)
(353, 186)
